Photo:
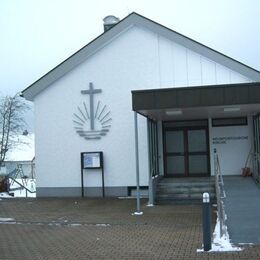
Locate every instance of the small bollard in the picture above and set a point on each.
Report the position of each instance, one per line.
(206, 215)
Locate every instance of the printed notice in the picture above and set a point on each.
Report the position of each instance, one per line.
(91, 160)
(225, 139)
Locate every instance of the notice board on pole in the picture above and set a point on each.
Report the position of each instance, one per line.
(92, 160)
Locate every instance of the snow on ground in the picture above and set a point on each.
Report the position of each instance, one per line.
(5, 195)
(221, 244)
(21, 193)
(137, 213)
(6, 219)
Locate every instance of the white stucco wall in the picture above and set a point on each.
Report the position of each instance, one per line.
(137, 59)
(233, 145)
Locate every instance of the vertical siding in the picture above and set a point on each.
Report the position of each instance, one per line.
(179, 66)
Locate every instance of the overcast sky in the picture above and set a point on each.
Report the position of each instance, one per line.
(36, 35)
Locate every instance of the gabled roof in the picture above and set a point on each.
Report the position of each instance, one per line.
(135, 19)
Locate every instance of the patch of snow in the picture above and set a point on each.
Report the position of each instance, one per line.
(54, 224)
(137, 213)
(75, 225)
(5, 195)
(103, 225)
(6, 219)
(126, 197)
(221, 244)
(9, 222)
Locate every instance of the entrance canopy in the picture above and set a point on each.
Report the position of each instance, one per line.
(198, 102)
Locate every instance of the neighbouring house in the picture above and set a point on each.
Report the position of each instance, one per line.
(21, 155)
(189, 98)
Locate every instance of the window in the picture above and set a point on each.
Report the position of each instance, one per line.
(185, 123)
(229, 121)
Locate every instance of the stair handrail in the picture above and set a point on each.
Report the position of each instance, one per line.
(21, 185)
(220, 195)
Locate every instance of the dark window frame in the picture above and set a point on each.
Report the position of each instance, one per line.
(229, 118)
(185, 129)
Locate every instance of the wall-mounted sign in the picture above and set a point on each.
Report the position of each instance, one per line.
(92, 120)
(225, 139)
(92, 160)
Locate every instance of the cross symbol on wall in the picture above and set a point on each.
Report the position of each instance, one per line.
(91, 91)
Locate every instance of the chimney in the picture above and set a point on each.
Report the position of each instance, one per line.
(110, 21)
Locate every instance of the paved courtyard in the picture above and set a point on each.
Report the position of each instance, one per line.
(103, 229)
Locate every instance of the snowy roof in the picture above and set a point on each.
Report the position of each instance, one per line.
(135, 19)
(23, 151)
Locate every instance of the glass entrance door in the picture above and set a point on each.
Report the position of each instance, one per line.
(175, 152)
(186, 151)
(197, 152)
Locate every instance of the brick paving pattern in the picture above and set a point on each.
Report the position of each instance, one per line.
(103, 229)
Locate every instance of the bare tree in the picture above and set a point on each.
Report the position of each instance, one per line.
(12, 122)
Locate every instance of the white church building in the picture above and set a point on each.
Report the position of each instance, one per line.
(189, 100)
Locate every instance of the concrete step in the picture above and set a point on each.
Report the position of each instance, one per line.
(174, 191)
(180, 202)
(183, 195)
(185, 189)
(186, 184)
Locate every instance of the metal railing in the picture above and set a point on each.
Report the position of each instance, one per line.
(16, 174)
(220, 195)
(256, 168)
(21, 186)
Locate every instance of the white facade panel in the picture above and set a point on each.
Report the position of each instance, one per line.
(165, 56)
(236, 78)
(180, 66)
(194, 69)
(208, 72)
(222, 74)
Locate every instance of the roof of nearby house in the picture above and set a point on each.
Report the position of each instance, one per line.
(135, 19)
(23, 151)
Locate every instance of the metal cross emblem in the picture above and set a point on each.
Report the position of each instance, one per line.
(91, 93)
(85, 119)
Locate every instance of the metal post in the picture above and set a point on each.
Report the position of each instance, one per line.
(218, 195)
(206, 214)
(137, 166)
(82, 184)
(103, 184)
(150, 191)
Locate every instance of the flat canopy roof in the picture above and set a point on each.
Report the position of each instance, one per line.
(146, 101)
